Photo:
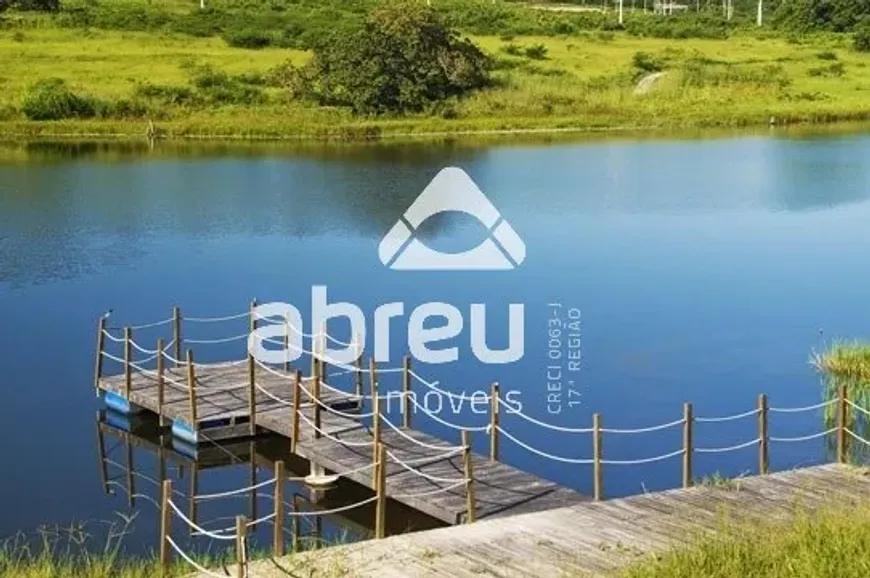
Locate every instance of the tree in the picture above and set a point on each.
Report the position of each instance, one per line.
(42, 5)
(402, 58)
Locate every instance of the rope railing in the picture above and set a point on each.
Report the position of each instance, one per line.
(421, 473)
(643, 460)
(803, 408)
(720, 450)
(725, 418)
(647, 429)
(803, 438)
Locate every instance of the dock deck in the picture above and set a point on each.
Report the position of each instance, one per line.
(434, 485)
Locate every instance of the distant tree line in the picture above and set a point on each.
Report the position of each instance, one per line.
(42, 5)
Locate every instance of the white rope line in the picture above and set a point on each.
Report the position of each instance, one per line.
(334, 510)
(112, 357)
(332, 409)
(333, 438)
(354, 396)
(642, 460)
(644, 429)
(727, 449)
(434, 387)
(113, 338)
(150, 325)
(253, 523)
(421, 473)
(435, 459)
(220, 364)
(190, 561)
(804, 438)
(857, 437)
(399, 431)
(726, 417)
(155, 375)
(228, 493)
(217, 319)
(544, 454)
(347, 372)
(220, 340)
(193, 525)
(799, 409)
(444, 422)
(429, 493)
(338, 341)
(856, 406)
(547, 425)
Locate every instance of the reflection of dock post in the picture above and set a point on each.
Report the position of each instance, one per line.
(128, 358)
(131, 502)
(406, 391)
(470, 502)
(165, 525)
(194, 490)
(278, 524)
(493, 422)
(98, 364)
(251, 450)
(297, 387)
(381, 490)
(101, 450)
(252, 377)
(160, 382)
(296, 525)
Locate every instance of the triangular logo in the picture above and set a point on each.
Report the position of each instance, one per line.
(452, 190)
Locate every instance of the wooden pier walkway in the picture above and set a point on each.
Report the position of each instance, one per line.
(589, 539)
(432, 479)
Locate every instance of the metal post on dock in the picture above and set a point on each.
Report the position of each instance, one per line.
(493, 422)
(98, 364)
(376, 425)
(842, 416)
(687, 445)
(191, 387)
(597, 480)
(406, 392)
(381, 489)
(358, 374)
(176, 333)
(128, 358)
(297, 392)
(241, 546)
(278, 522)
(252, 378)
(161, 361)
(165, 525)
(763, 436)
(470, 502)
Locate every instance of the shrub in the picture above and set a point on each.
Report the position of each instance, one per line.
(536, 52)
(52, 99)
(861, 40)
(403, 58)
(512, 49)
(250, 39)
(827, 55)
(167, 94)
(646, 62)
(835, 69)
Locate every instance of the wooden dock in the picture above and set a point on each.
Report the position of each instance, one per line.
(222, 409)
(589, 539)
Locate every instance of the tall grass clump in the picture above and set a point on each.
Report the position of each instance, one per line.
(846, 364)
(832, 543)
(52, 99)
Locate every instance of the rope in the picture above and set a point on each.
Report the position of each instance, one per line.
(804, 438)
(644, 429)
(416, 441)
(333, 438)
(334, 510)
(150, 325)
(253, 523)
(332, 409)
(544, 424)
(429, 493)
(193, 525)
(727, 449)
(226, 494)
(190, 561)
(113, 338)
(421, 473)
(726, 417)
(643, 460)
(799, 409)
(221, 340)
(544, 454)
(434, 387)
(447, 423)
(856, 406)
(217, 319)
(857, 437)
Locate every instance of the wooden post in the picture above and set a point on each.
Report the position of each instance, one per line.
(98, 364)
(406, 392)
(176, 333)
(493, 422)
(161, 393)
(381, 489)
(358, 375)
(842, 416)
(470, 502)
(322, 352)
(596, 457)
(128, 358)
(252, 378)
(165, 525)
(315, 388)
(763, 436)
(241, 546)
(687, 445)
(278, 522)
(297, 392)
(376, 427)
(191, 386)
(287, 367)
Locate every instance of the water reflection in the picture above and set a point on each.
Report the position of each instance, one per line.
(136, 455)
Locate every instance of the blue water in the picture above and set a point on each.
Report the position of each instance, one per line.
(703, 271)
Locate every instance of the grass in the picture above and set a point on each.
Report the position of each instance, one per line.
(581, 82)
(717, 480)
(831, 543)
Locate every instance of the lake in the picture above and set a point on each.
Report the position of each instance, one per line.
(701, 270)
